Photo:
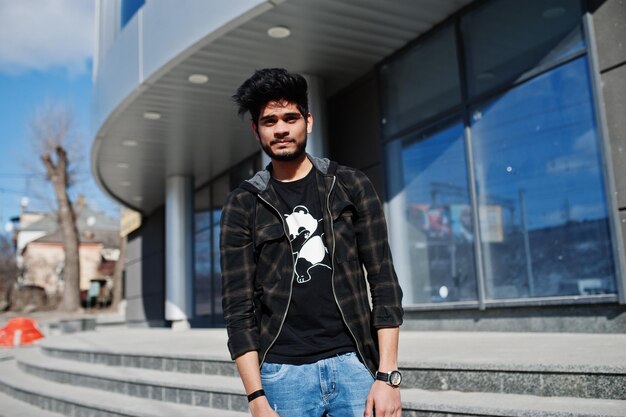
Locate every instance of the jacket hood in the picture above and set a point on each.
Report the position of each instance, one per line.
(259, 182)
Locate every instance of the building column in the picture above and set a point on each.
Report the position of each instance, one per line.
(179, 251)
(317, 142)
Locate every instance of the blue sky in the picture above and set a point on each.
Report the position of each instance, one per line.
(45, 55)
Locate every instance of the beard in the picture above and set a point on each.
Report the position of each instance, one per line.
(286, 157)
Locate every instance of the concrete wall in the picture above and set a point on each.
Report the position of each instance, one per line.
(145, 272)
(559, 319)
(609, 21)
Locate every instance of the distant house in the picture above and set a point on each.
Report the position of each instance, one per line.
(40, 249)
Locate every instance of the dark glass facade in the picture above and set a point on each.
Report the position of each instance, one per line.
(502, 187)
(208, 201)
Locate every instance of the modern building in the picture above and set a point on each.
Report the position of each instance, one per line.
(492, 129)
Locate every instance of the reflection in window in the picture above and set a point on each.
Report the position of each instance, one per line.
(504, 39)
(438, 218)
(545, 229)
(216, 282)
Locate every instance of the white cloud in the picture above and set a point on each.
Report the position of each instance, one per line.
(44, 34)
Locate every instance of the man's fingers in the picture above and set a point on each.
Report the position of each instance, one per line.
(369, 407)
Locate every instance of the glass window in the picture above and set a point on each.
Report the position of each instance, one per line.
(202, 259)
(544, 218)
(203, 274)
(421, 82)
(217, 268)
(438, 218)
(504, 39)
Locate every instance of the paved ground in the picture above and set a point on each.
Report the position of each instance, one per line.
(46, 317)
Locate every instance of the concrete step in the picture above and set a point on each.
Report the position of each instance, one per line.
(71, 400)
(68, 400)
(205, 390)
(215, 391)
(11, 407)
(495, 365)
(542, 364)
(157, 349)
(422, 403)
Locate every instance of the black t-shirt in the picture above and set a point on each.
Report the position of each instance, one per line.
(313, 329)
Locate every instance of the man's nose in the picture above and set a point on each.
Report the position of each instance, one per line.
(281, 130)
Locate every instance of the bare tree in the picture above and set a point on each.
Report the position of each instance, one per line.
(8, 270)
(116, 297)
(53, 134)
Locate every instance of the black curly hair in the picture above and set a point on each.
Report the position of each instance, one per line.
(271, 84)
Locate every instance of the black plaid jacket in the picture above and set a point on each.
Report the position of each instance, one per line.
(257, 264)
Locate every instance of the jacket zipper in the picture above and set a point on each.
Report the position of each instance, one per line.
(290, 285)
(332, 277)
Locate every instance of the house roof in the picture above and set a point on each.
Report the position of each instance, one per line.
(93, 227)
(109, 238)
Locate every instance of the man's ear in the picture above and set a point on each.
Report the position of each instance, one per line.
(309, 122)
(255, 130)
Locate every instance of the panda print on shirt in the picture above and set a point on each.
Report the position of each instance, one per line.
(307, 242)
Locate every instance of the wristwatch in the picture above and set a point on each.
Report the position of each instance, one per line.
(392, 378)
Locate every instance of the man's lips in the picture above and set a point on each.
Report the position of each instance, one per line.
(281, 141)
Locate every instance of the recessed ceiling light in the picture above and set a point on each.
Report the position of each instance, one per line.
(553, 12)
(279, 32)
(198, 78)
(125, 183)
(152, 115)
(122, 165)
(129, 143)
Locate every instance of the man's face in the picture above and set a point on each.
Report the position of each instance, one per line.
(282, 130)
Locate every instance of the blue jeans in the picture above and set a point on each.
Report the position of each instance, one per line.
(333, 387)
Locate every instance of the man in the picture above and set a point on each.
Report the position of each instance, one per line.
(294, 240)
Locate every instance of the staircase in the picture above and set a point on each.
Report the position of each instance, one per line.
(158, 372)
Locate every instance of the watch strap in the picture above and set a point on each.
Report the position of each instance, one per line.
(256, 394)
(383, 376)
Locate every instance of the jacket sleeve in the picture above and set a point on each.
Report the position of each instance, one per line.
(375, 254)
(238, 271)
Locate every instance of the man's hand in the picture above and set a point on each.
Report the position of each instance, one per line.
(259, 407)
(384, 399)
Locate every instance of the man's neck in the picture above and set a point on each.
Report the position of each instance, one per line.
(287, 171)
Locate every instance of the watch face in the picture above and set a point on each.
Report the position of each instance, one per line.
(395, 378)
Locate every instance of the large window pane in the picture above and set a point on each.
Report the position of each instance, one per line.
(421, 82)
(504, 39)
(202, 260)
(203, 273)
(438, 218)
(217, 269)
(540, 188)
